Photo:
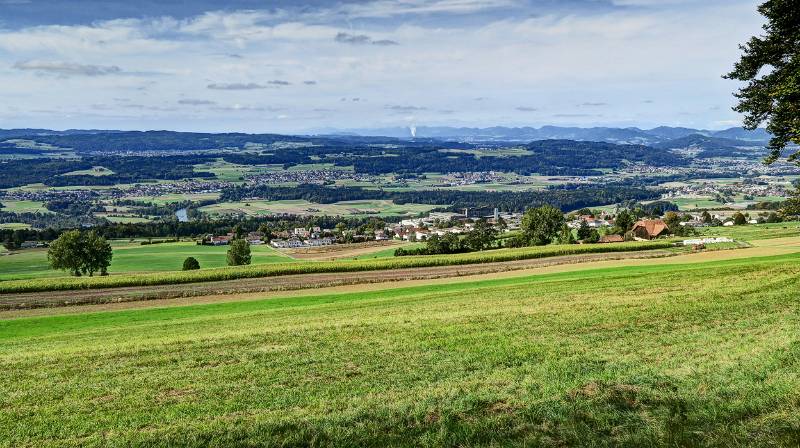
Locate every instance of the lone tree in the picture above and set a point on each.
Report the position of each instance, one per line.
(80, 253)
(584, 231)
(624, 220)
(540, 225)
(239, 253)
(770, 65)
(98, 254)
(66, 253)
(190, 264)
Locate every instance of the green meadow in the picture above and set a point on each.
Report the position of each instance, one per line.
(14, 206)
(751, 232)
(133, 257)
(679, 355)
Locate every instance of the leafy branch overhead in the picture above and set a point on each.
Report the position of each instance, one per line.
(770, 65)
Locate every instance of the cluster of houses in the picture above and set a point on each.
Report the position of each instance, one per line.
(301, 237)
(442, 223)
(254, 238)
(594, 222)
(318, 177)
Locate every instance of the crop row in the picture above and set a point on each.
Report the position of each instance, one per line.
(268, 270)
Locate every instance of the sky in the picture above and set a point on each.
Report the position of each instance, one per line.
(304, 66)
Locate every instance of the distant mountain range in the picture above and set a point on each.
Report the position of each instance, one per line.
(653, 136)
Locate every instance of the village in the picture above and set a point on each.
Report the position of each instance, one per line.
(440, 224)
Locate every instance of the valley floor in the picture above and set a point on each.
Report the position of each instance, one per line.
(689, 350)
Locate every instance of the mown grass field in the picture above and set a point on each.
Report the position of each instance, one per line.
(751, 232)
(14, 206)
(693, 355)
(133, 257)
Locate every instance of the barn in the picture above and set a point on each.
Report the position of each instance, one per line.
(650, 228)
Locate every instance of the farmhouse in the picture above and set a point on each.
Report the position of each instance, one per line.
(255, 238)
(649, 228)
(221, 240)
(327, 241)
(283, 244)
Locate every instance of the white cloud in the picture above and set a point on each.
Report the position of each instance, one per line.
(68, 68)
(672, 57)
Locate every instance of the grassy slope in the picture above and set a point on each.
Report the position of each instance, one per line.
(664, 355)
(134, 258)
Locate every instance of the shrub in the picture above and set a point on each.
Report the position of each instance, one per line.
(190, 264)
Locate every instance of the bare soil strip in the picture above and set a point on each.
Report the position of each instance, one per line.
(294, 282)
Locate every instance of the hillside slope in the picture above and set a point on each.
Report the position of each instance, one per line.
(628, 357)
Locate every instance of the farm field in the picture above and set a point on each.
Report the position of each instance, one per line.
(175, 197)
(240, 288)
(14, 225)
(625, 356)
(754, 231)
(302, 207)
(314, 267)
(129, 258)
(23, 206)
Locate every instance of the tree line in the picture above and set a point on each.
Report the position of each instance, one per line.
(564, 197)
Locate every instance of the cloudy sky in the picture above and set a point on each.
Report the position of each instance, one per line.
(310, 65)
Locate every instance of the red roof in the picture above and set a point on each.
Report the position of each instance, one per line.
(653, 227)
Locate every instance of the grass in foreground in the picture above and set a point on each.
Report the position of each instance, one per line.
(625, 357)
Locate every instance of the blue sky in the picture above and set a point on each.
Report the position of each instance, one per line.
(307, 65)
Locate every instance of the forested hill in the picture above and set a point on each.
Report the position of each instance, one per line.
(600, 154)
(166, 155)
(154, 141)
(569, 197)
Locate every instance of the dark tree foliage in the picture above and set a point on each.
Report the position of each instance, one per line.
(80, 253)
(770, 65)
(190, 264)
(14, 173)
(565, 198)
(624, 221)
(541, 225)
(239, 253)
(584, 231)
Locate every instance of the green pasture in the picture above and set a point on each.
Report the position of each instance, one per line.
(613, 357)
(93, 171)
(132, 258)
(751, 232)
(14, 206)
(386, 253)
